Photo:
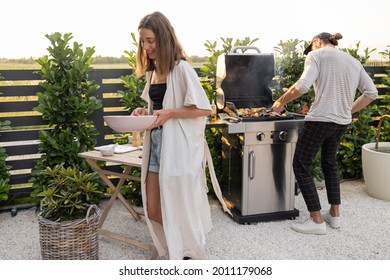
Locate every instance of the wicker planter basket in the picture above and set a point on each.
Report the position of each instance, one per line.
(71, 240)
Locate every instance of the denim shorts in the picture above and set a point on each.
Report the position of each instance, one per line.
(155, 149)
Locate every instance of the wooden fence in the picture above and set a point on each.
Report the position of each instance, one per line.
(377, 73)
(19, 88)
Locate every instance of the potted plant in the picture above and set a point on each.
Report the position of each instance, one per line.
(375, 164)
(376, 156)
(64, 187)
(68, 214)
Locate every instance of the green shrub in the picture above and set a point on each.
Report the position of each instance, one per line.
(131, 97)
(384, 109)
(208, 81)
(66, 103)
(359, 132)
(4, 176)
(289, 64)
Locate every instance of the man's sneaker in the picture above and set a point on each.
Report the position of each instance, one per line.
(334, 222)
(310, 227)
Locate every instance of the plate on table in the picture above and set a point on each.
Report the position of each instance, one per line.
(118, 149)
(130, 123)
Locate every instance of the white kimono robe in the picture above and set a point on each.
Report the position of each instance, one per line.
(183, 187)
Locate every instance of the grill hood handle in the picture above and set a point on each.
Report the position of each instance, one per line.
(244, 48)
(220, 99)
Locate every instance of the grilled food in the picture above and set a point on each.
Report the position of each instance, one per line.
(256, 112)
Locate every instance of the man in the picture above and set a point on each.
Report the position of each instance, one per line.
(335, 76)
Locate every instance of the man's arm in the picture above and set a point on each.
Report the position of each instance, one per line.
(291, 94)
(360, 103)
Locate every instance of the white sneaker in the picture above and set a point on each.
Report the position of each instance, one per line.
(334, 222)
(310, 227)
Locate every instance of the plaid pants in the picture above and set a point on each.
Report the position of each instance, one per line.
(312, 137)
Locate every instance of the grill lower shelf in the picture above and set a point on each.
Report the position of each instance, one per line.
(265, 217)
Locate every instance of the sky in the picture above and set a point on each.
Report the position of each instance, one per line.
(107, 25)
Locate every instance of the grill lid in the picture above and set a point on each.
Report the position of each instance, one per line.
(244, 78)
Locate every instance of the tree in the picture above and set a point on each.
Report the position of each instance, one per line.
(66, 103)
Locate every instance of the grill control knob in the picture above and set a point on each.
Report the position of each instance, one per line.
(283, 135)
(260, 136)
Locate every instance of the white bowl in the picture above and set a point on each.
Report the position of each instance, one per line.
(130, 123)
(107, 150)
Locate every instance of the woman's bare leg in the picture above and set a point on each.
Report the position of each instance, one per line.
(153, 197)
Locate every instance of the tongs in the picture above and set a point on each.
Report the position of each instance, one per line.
(231, 113)
(268, 111)
(226, 116)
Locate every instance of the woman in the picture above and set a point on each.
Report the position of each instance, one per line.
(174, 189)
(336, 77)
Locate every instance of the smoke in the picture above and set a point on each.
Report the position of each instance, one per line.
(248, 78)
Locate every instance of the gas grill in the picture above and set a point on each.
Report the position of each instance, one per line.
(257, 181)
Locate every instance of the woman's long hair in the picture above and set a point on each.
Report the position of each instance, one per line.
(168, 48)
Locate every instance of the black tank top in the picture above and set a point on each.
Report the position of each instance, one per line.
(156, 94)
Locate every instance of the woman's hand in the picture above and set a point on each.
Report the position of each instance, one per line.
(140, 112)
(162, 116)
(187, 112)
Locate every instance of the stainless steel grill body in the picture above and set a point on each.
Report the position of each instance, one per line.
(257, 176)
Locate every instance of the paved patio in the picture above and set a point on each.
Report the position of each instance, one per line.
(364, 234)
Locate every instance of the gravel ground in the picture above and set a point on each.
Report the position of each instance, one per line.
(364, 233)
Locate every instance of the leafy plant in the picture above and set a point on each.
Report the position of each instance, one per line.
(132, 190)
(131, 97)
(4, 189)
(208, 71)
(384, 109)
(359, 132)
(4, 176)
(354, 52)
(208, 81)
(289, 64)
(68, 194)
(364, 127)
(66, 104)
